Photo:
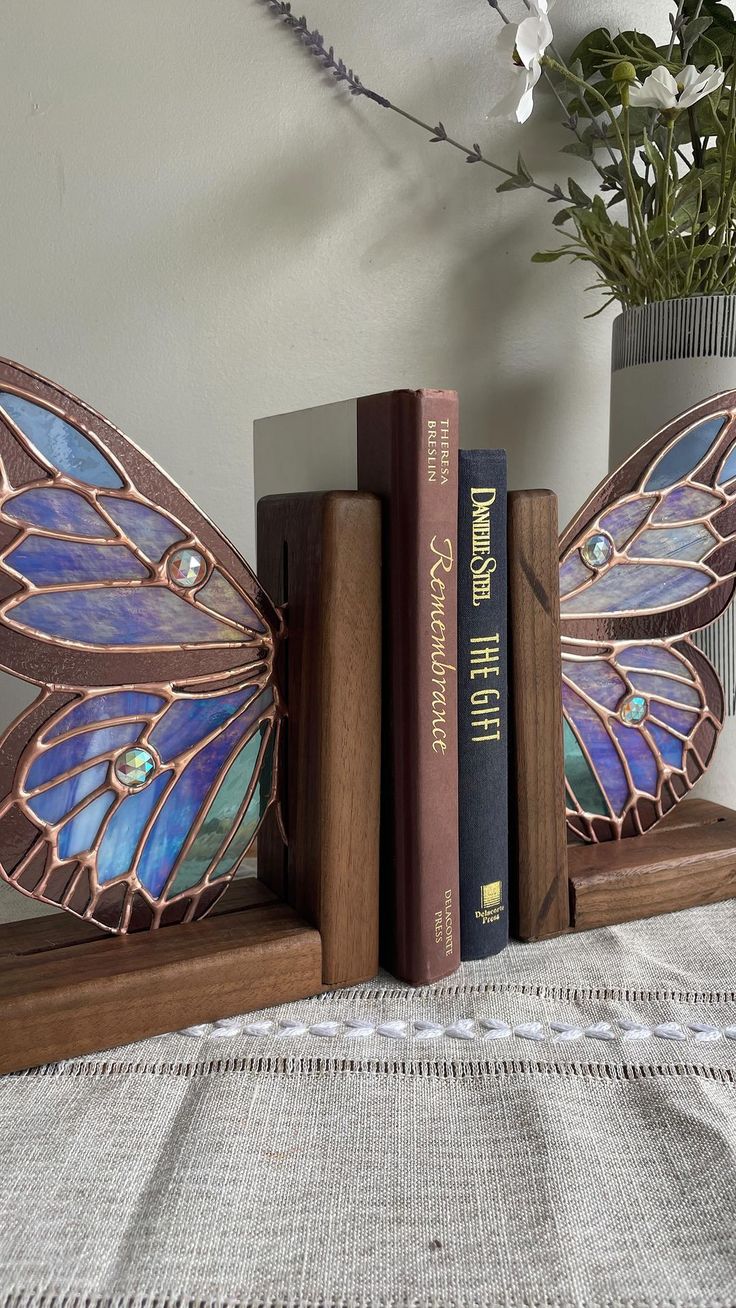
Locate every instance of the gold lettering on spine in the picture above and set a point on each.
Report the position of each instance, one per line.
(442, 567)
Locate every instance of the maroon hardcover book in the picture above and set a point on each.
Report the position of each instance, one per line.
(408, 454)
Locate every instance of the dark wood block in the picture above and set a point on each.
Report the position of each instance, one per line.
(689, 858)
(61, 997)
(320, 555)
(537, 769)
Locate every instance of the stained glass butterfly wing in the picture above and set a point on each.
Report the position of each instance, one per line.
(132, 788)
(649, 559)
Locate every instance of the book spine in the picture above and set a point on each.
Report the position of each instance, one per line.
(482, 699)
(407, 452)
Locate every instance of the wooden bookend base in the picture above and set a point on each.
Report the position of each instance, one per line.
(320, 556)
(68, 989)
(689, 858)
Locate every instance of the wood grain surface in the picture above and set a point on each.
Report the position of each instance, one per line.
(689, 858)
(321, 556)
(537, 808)
(62, 996)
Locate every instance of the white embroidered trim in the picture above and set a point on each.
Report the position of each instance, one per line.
(465, 1028)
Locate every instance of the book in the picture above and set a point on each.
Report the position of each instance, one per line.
(402, 446)
(483, 703)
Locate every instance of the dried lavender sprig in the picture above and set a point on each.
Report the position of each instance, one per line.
(314, 43)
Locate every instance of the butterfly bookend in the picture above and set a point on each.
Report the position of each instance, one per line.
(156, 752)
(601, 624)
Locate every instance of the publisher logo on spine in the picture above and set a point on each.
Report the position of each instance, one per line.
(491, 906)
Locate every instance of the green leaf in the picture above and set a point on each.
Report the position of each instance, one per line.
(694, 31)
(562, 216)
(523, 171)
(580, 148)
(512, 184)
(578, 194)
(549, 256)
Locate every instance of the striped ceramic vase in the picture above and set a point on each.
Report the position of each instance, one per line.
(667, 357)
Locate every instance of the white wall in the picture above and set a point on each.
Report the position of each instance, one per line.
(196, 229)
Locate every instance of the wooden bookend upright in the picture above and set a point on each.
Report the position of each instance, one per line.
(689, 858)
(319, 555)
(67, 988)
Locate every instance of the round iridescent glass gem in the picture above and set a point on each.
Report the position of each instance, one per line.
(135, 766)
(633, 710)
(596, 550)
(186, 568)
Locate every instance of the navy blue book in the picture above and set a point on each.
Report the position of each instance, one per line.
(482, 703)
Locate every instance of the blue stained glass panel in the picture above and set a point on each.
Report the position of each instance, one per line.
(79, 834)
(97, 617)
(665, 688)
(54, 804)
(182, 806)
(46, 561)
(685, 503)
(580, 777)
(80, 749)
(125, 828)
(61, 445)
(691, 542)
(598, 679)
(189, 720)
(601, 749)
(655, 657)
(633, 587)
(150, 530)
(218, 824)
(684, 456)
(641, 761)
(97, 708)
(729, 467)
(670, 748)
(622, 522)
(218, 594)
(55, 509)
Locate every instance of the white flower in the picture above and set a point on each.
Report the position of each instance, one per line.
(662, 91)
(525, 46)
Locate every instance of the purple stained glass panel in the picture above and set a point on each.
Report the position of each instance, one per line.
(218, 594)
(190, 719)
(655, 657)
(102, 616)
(598, 679)
(691, 542)
(600, 747)
(641, 761)
(149, 529)
(105, 707)
(45, 561)
(666, 688)
(72, 752)
(54, 509)
(633, 587)
(680, 719)
(684, 504)
(622, 522)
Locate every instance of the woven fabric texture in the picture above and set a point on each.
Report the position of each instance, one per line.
(237, 1169)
